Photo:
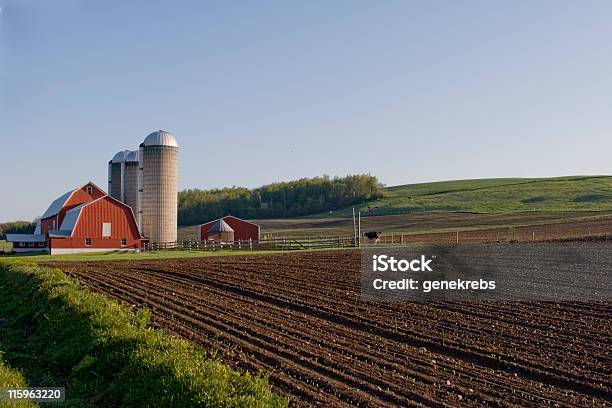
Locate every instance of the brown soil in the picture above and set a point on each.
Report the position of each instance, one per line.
(300, 318)
(577, 230)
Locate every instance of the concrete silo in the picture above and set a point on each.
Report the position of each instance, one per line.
(130, 181)
(123, 178)
(158, 187)
(115, 175)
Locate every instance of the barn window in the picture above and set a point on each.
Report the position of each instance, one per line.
(41, 244)
(106, 229)
(31, 244)
(89, 190)
(123, 241)
(87, 241)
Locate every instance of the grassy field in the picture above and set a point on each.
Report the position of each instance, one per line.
(105, 353)
(11, 378)
(577, 193)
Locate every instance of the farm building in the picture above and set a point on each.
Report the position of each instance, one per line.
(82, 220)
(242, 230)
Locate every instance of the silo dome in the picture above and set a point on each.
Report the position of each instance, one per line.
(119, 157)
(132, 156)
(160, 138)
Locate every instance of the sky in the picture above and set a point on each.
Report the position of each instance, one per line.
(264, 91)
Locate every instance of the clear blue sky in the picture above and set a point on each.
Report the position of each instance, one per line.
(259, 91)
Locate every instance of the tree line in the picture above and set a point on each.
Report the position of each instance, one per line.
(285, 199)
(16, 227)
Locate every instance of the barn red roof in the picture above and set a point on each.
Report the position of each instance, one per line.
(59, 203)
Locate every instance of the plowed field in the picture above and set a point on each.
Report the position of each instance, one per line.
(299, 317)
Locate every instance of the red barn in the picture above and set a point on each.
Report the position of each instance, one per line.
(53, 217)
(243, 230)
(82, 220)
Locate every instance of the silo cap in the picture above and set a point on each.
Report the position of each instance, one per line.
(160, 138)
(132, 156)
(125, 156)
(119, 157)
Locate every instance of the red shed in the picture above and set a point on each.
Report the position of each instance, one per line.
(243, 230)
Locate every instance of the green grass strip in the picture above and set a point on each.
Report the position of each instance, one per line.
(126, 255)
(11, 378)
(105, 354)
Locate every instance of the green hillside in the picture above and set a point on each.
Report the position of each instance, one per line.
(503, 195)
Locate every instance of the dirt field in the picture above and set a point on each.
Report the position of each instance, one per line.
(299, 317)
(438, 227)
(570, 230)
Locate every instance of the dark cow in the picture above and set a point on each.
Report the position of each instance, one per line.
(372, 235)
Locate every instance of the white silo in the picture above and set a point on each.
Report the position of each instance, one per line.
(158, 187)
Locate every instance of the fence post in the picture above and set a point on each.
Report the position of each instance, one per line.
(457, 236)
(402, 239)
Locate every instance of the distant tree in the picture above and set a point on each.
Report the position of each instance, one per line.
(283, 199)
(16, 227)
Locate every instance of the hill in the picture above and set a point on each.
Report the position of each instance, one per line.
(488, 196)
(576, 206)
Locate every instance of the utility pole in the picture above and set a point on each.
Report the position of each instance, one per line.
(354, 229)
(359, 229)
